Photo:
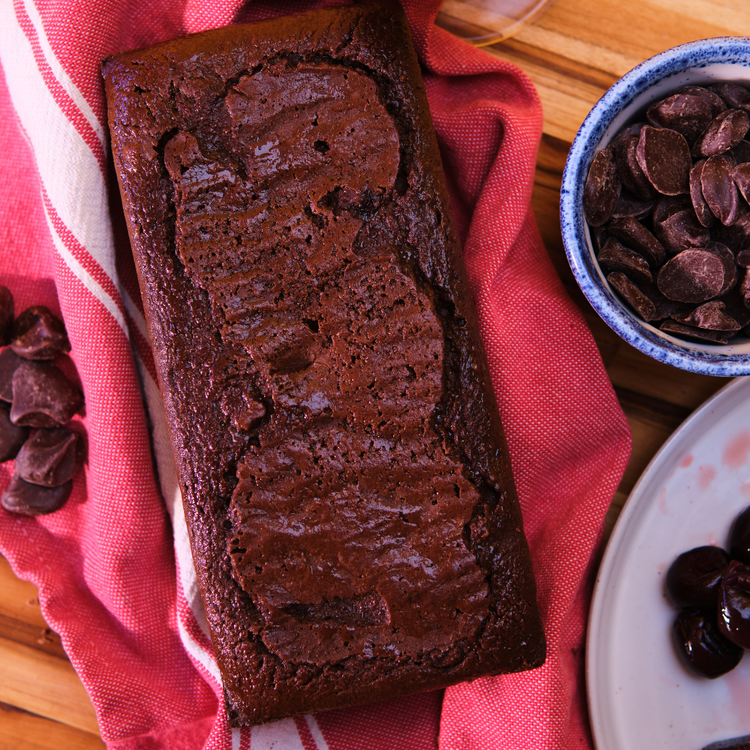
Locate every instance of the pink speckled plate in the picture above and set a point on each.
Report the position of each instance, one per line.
(640, 695)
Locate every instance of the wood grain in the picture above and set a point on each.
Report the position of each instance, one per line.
(19, 729)
(21, 619)
(572, 54)
(43, 684)
(37, 679)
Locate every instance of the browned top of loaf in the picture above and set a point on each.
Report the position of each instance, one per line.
(347, 487)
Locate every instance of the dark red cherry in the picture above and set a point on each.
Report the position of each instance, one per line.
(739, 538)
(693, 578)
(734, 603)
(702, 647)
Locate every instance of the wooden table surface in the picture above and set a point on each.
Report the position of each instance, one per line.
(573, 53)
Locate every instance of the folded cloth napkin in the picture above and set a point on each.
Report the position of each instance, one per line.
(113, 567)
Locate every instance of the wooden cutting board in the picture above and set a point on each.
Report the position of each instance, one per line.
(572, 53)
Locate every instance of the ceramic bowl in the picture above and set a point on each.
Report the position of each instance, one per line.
(698, 63)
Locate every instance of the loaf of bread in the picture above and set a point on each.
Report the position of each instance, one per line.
(352, 514)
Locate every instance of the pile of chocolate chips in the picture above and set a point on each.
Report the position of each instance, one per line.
(37, 400)
(711, 588)
(667, 201)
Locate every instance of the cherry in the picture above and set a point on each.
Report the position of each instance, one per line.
(739, 538)
(734, 604)
(693, 578)
(701, 645)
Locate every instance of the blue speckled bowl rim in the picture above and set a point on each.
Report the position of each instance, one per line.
(703, 359)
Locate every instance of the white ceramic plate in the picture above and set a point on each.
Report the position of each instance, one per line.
(640, 694)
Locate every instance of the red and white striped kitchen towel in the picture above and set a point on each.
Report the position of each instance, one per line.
(114, 573)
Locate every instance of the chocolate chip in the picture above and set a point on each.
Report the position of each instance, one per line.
(634, 235)
(691, 332)
(711, 316)
(725, 131)
(624, 148)
(633, 295)
(714, 101)
(719, 189)
(599, 235)
(9, 361)
(12, 437)
(734, 304)
(628, 205)
(741, 152)
(633, 129)
(38, 334)
(741, 177)
(730, 266)
(28, 499)
(614, 256)
(666, 205)
(693, 275)
(664, 156)
(735, 95)
(745, 288)
(50, 457)
(737, 236)
(602, 188)
(43, 396)
(677, 227)
(686, 113)
(702, 211)
(664, 308)
(6, 315)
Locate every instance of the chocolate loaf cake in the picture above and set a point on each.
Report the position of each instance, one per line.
(347, 487)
